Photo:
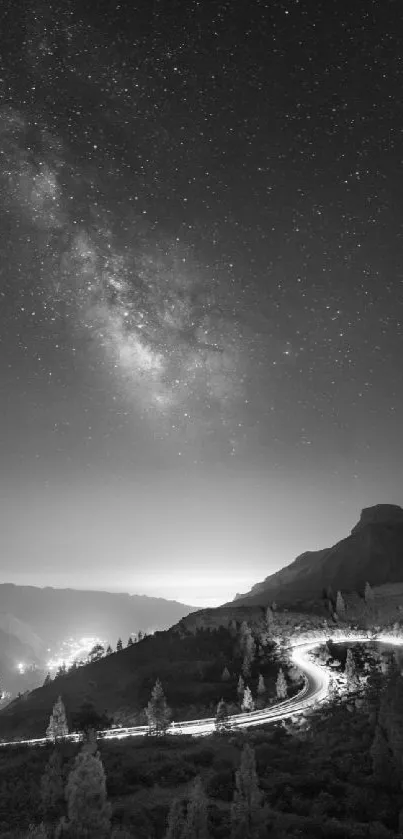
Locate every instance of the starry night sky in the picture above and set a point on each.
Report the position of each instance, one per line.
(201, 287)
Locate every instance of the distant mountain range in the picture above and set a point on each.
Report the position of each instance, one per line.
(36, 620)
(372, 552)
(45, 617)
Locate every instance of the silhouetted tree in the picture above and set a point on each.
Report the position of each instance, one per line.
(249, 652)
(97, 652)
(119, 645)
(351, 671)
(130, 641)
(246, 809)
(390, 718)
(48, 680)
(222, 723)
(58, 722)
(261, 692)
(52, 787)
(36, 831)
(109, 650)
(196, 824)
(281, 685)
(381, 757)
(176, 820)
(88, 811)
(340, 604)
(240, 688)
(158, 712)
(247, 701)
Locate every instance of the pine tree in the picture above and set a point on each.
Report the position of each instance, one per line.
(119, 645)
(48, 680)
(58, 722)
(109, 650)
(97, 652)
(222, 723)
(225, 675)
(261, 692)
(247, 701)
(196, 825)
(269, 617)
(158, 713)
(176, 820)
(340, 604)
(368, 593)
(281, 685)
(89, 813)
(240, 688)
(246, 809)
(52, 786)
(130, 641)
(244, 632)
(350, 671)
(36, 831)
(381, 757)
(390, 718)
(249, 651)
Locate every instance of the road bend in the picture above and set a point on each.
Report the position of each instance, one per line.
(315, 690)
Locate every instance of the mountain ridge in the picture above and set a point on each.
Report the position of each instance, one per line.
(373, 552)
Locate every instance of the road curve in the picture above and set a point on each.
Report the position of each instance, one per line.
(314, 691)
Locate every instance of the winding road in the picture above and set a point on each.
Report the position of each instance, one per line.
(315, 690)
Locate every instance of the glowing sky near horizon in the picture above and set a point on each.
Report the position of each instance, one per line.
(200, 288)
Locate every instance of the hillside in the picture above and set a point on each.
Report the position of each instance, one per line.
(189, 665)
(48, 616)
(373, 551)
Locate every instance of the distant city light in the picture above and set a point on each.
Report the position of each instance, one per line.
(74, 649)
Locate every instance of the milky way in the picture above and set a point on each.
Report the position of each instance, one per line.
(201, 236)
(170, 330)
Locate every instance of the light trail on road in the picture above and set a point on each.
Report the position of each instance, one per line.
(315, 690)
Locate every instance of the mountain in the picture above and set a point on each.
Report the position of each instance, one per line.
(49, 616)
(373, 551)
(14, 651)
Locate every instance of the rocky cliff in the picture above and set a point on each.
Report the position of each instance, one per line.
(373, 551)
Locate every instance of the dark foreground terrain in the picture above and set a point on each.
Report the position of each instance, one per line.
(323, 784)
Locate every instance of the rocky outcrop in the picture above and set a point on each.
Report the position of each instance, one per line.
(221, 617)
(379, 514)
(373, 552)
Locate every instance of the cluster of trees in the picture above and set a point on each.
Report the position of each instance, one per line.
(190, 820)
(97, 652)
(88, 812)
(159, 714)
(337, 605)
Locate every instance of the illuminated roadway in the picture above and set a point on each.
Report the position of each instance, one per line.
(314, 691)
